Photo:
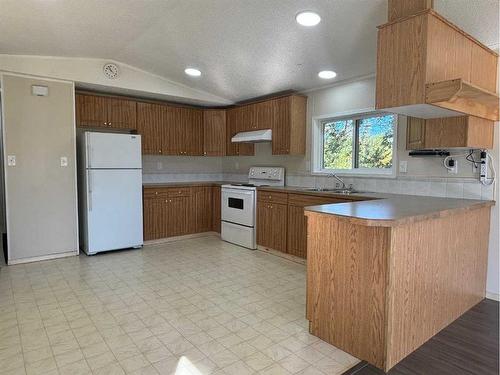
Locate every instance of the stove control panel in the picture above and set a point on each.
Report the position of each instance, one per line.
(269, 175)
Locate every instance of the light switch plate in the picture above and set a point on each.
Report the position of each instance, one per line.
(403, 166)
(11, 160)
(64, 161)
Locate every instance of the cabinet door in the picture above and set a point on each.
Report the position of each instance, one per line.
(214, 132)
(281, 128)
(216, 208)
(263, 115)
(297, 231)
(415, 133)
(272, 225)
(154, 218)
(246, 118)
(202, 209)
(232, 121)
(297, 224)
(149, 126)
(178, 216)
(172, 136)
(121, 113)
(235, 116)
(91, 111)
(194, 132)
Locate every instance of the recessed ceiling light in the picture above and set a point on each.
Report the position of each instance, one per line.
(192, 72)
(308, 18)
(327, 74)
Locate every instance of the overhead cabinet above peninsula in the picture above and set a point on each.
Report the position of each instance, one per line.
(429, 68)
(170, 129)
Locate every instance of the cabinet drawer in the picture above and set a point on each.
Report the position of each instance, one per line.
(155, 193)
(273, 197)
(179, 192)
(309, 200)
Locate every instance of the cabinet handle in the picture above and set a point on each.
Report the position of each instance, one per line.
(160, 151)
(109, 124)
(105, 124)
(156, 193)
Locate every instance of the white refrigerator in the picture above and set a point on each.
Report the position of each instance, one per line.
(110, 191)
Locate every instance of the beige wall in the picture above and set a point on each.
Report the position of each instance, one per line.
(87, 73)
(40, 194)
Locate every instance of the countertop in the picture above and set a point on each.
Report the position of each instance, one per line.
(179, 184)
(367, 208)
(398, 209)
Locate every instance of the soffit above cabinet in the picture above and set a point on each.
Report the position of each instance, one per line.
(429, 68)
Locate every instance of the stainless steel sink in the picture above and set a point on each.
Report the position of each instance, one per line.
(338, 191)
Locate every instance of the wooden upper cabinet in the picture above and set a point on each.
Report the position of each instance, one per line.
(263, 115)
(91, 111)
(184, 131)
(449, 132)
(149, 126)
(214, 132)
(289, 130)
(122, 113)
(173, 143)
(235, 117)
(102, 111)
(194, 132)
(427, 68)
(415, 133)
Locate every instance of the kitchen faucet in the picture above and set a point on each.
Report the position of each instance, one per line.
(338, 179)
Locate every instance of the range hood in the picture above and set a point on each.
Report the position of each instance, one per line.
(256, 136)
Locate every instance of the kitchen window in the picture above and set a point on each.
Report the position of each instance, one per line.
(358, 144)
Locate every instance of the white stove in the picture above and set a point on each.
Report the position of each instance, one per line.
(239, 205)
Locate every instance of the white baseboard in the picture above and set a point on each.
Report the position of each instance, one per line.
(180, 238)
(493, 296)
(44, 257)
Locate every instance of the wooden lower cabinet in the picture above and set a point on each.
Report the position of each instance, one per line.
(297, 231)
(171, 212)
(178, 213)
(202, 209)
(154, 215)
(297, 222)
(272, 225)
(216, 208)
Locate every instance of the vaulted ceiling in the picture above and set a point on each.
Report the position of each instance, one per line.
(244, 48)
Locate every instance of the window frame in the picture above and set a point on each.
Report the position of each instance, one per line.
(318, 142)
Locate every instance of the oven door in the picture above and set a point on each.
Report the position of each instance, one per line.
(238, 206)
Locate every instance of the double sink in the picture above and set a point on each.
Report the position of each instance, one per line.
(346, 191)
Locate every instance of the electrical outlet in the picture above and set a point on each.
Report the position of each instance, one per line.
(483, 174)
(453, 169)
(11, 160)
(64, 161)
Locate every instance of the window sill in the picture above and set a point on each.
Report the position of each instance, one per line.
(357, 174)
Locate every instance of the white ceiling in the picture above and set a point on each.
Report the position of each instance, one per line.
(245, 48)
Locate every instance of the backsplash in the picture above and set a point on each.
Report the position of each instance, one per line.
(436, 187)
(180, 177)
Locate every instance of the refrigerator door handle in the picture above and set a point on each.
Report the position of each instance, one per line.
(89, 150)
(89, 183)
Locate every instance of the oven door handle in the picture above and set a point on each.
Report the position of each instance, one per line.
(238, 192)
